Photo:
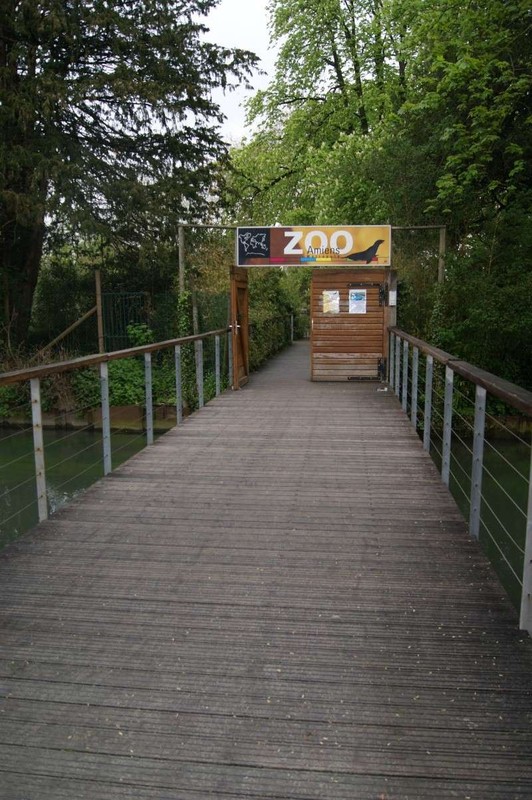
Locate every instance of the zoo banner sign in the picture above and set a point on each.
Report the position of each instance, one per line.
(350, 245)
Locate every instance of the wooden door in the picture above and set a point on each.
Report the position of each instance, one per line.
(240, 326)
(349, 324)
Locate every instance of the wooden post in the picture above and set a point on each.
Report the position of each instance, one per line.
(181, 245)
(441, 254)
(99, 311)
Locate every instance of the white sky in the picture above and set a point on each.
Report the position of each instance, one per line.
(243, 24)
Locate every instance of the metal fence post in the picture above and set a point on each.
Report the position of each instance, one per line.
(230, 358)
(427, 417)
(291, 328)
(447, 426)
(38, 448)
(217, 364)
(106, 419)
(391, 361)
(397, 365)
(404, 397)
(478, 454)
(415, 384)
(178, 385)
(525, 620)
(198, 347)
(149, 398)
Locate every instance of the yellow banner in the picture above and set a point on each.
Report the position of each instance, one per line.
(349, 245)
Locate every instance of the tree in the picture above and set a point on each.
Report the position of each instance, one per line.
(404, 112)
(106, 120)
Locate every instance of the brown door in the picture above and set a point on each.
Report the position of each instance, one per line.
(349, 324)
(240, 326)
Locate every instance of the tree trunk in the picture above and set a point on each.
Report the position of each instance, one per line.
(21, 248)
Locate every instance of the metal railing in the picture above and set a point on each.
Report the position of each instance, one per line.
(188, 355)
(126, 399)
(448, 403)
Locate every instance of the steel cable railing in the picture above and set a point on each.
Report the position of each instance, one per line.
(56, 464)
(490, 478)
(178, 376)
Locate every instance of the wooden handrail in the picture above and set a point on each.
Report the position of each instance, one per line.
(99, 358)
(505, 390)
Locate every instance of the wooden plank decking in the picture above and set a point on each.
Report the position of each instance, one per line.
(277, 600)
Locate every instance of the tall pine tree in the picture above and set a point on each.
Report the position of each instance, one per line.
(105, 109)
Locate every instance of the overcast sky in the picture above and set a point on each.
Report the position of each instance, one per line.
(244, 24)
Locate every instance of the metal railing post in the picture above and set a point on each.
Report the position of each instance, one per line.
(478, 455)
(149, 398)
(291, 329)
(217, 364)
(106, 419)
(447, 426)
(415, 386)
(391, 361)
(178, 385)
(427, 416)
(38, 448)
(198, 347)
(397, 365)
(230, 358)
(525, 619)
(404, 397)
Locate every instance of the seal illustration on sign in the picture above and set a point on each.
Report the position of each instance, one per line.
(367, 255)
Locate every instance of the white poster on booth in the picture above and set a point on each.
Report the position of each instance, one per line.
(357, 301)
(331, 301)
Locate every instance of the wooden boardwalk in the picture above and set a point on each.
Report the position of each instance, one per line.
(277, 600)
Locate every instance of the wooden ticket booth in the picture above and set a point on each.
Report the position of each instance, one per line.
(353, 295)
(351, 310)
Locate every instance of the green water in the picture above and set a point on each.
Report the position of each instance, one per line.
(73, 462)
(504, 503)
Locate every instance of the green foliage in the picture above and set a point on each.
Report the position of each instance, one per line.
(140, 334)
(411, 114)
(107, 126)
(12, 399)
(126, 382)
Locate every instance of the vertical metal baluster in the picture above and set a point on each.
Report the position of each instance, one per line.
(292, 328)
(391, 361)
(230, 358)
(106, 419)
(217, 364)
(478, 455)
(404, 402)
(525, 621)
(415, 386)
(198, 345)
(38, 449)
(447, 426)
(397, 365)
(178, 385)
(149, 398)
(427, 417)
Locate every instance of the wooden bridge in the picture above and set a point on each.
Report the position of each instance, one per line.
(279, 599)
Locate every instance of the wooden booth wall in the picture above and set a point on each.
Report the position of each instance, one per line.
(351, 346)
